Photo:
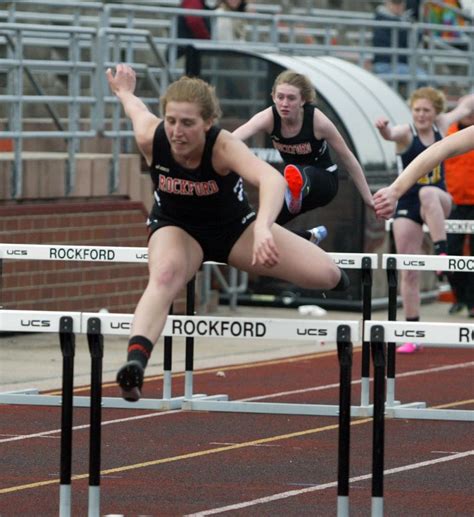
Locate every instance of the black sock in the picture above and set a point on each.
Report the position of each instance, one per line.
(139, 349)
(416, 318)
(343, 283)
(440, 247)
(303, 233)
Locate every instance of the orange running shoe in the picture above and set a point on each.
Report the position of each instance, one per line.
(294, 192)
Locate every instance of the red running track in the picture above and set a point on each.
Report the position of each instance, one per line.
(206, 463)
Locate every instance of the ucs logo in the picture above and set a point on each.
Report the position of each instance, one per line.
(345, 262)
(35, 323)
(17, 253)
(120, 325)
(410, 333)
(312, 332)
(417, 263)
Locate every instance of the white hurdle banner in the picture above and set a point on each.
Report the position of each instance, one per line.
(450, 225)
(130, 254)
(458, 335)
(184, 326)
(430, 262)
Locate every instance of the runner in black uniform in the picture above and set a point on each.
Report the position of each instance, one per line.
(300, 132)
(190, 199)
(201, 211)
(427, 201)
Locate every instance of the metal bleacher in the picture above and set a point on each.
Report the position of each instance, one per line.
(53, 56)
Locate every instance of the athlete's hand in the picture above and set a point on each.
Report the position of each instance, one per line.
(382, 124)
(124, 79)
(265, 251)
(385, 202)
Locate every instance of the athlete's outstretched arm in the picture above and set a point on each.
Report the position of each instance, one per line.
(457, 143)
(464, 108)
(262, 121)
(144, 122)
(327, 130)
(233, 155)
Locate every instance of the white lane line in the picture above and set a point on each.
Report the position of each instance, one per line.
(293, 493)
(86, 426)
(259, 397)
(336, 385)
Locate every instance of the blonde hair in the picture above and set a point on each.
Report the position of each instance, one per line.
(299, 81)
(436, 97)
(195, 90)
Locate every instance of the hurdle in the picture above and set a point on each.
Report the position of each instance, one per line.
(366, 262)
(96, 325)
(432, 335)
(94, 254)
(420, 331)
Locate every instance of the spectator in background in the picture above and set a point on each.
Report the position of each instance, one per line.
(446, 14)
(231, 29)
(193, 27)
(414, 7)
(394, 11)
(459, 172)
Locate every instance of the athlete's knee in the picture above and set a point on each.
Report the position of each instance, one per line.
(167, 275)
(343, 282)
(429, 197)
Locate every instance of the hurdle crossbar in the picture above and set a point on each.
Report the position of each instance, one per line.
(448, 263)
(460, 226)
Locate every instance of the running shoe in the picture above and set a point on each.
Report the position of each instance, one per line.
(318, 234)
(294, 192)
(130, 380)
(409, 348)
(456, 308)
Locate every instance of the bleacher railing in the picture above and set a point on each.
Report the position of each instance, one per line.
(54, 55)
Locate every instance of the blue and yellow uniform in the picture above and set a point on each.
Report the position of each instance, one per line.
(409, 204)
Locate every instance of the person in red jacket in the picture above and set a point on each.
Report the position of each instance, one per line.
(193, 27)
(459, 172)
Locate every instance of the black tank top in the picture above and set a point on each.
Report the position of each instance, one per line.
(197, 196)
(436, 176)
(304, 148)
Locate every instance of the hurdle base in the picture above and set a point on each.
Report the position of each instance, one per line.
(275, 408)
(424, 413)
(391, 407)
(31, 397)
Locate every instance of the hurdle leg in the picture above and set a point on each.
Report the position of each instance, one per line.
(167, 363)
(96, 349)
(67, 341)
(366, 315)
(189, 340)
(392, 279)
(378, 356)
(344, 352)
